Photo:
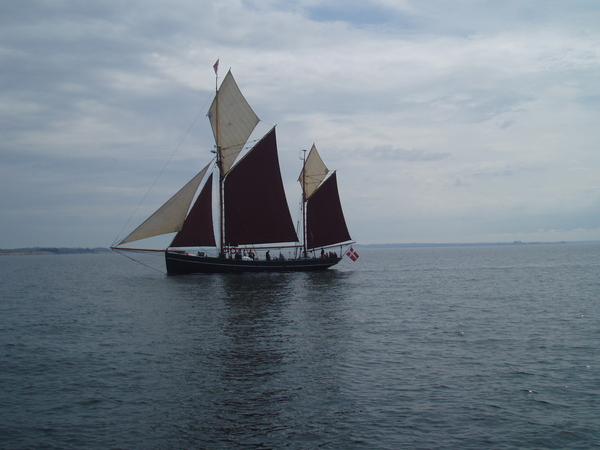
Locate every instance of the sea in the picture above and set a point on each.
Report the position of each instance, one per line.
(467, 347)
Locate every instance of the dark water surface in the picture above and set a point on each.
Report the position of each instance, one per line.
(424, 348)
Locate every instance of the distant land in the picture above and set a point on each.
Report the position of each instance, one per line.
(78, 250)
(51, 251)
(475, 244)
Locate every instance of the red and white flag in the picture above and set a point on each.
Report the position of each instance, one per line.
(216, 67)
(351, 253)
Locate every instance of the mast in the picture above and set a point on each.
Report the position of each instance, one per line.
(221, 171)
(313, 173)
(324, 222)
(304, 203)
(233, 121)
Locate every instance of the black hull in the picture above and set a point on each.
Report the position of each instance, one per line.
(184, 264)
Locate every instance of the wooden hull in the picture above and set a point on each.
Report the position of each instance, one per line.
(178, 263)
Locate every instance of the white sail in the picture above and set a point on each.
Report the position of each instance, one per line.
(313, 172)
(232, 120)
(169, 217)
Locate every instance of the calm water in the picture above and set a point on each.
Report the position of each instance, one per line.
(427, 348)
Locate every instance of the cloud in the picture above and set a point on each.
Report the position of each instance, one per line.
(407, 100)
(389, 153)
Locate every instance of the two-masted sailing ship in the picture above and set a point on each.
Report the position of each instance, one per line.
(253, 225)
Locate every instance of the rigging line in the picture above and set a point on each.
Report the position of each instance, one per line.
(139, 262)
(161, 172)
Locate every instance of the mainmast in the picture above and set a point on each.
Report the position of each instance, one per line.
(219, 165)
(233, 121)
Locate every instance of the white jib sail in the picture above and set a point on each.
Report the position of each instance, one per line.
(169, 217)
(236, 121)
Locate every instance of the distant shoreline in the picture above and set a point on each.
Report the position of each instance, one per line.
(52, 251)
(79, 250)
(473, 244)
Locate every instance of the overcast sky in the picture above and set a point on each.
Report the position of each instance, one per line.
(447, 121)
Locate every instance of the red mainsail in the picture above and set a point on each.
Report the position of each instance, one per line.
(256, 210)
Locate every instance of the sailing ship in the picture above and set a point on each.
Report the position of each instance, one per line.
(252, 213)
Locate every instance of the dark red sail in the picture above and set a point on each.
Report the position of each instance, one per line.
(197, 230)
(325, 223)
(256, 210)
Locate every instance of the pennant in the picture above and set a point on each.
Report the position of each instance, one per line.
(216, 67)
(352, 254)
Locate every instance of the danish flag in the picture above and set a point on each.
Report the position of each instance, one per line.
(351, 253)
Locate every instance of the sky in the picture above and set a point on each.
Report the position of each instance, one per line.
(447, 121)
